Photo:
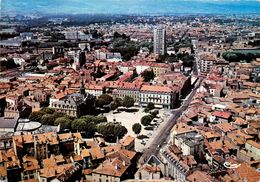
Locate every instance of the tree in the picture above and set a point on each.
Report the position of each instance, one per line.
(118, 101)
(36, 116)
(79, 125)
(113, 106)
(94, 33)
(128, 102)
(150, 106)
(188, 60)
(257, 79)
(47, 110)
(135, 74)
(104, 100)
(88, 118)
(48, 119)
(100, 119)
(111, 131)
(117, 35)
(125, 47)
(58, 115)
(155, 113)
(137, 128)
(82, 59)
(55, 37)
(64, 122)
(148, 75)
(230, 57)
(9, 64)
(91, 124)
(166, 58)
(146, 110)
(146, 120)
(44, 103)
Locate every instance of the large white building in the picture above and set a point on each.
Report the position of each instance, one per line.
(128, 89)
(159, 42)
(161, 96)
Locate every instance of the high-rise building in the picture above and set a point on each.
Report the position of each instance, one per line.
(159, 42)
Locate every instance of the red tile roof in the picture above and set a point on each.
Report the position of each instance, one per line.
(222, 114)
(157, 88)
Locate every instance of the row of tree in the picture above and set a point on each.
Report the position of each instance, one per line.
(186, 58)
(87, 124)
(106, 100)
(237, 56)
(148, 75)
(125, 46)
(147, 119)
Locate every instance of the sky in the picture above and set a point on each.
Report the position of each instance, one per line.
(130, 6)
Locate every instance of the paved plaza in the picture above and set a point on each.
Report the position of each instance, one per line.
(127, 119)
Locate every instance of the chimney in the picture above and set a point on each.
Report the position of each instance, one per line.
(14, 146)
(1, 157)
(116, 166)
(34, 145)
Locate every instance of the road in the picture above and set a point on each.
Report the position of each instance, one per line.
(164, 133)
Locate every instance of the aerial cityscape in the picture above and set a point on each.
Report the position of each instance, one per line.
(129, 90)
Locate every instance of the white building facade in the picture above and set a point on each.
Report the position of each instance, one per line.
(161, 96)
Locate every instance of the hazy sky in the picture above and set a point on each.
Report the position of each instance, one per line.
(130, 6)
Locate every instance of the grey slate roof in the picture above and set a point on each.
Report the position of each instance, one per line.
(8, 122)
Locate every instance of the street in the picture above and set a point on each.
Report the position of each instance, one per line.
(164, 133)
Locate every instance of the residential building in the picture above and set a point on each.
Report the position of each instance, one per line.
(73, 104)
(177, 79)
(76, 35)
(95, 89)
(176, 168)
(190, 142)
(160, 68)
(206, 62)
(30, 168)
(128, 143)
(58, 50)
(116, 168)
(253, 149)
(127, 89)
(114, 57)
(153, 169)
(159, 42)
(19, 110)
(200, 176)
(220, 116)
(161, 96)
